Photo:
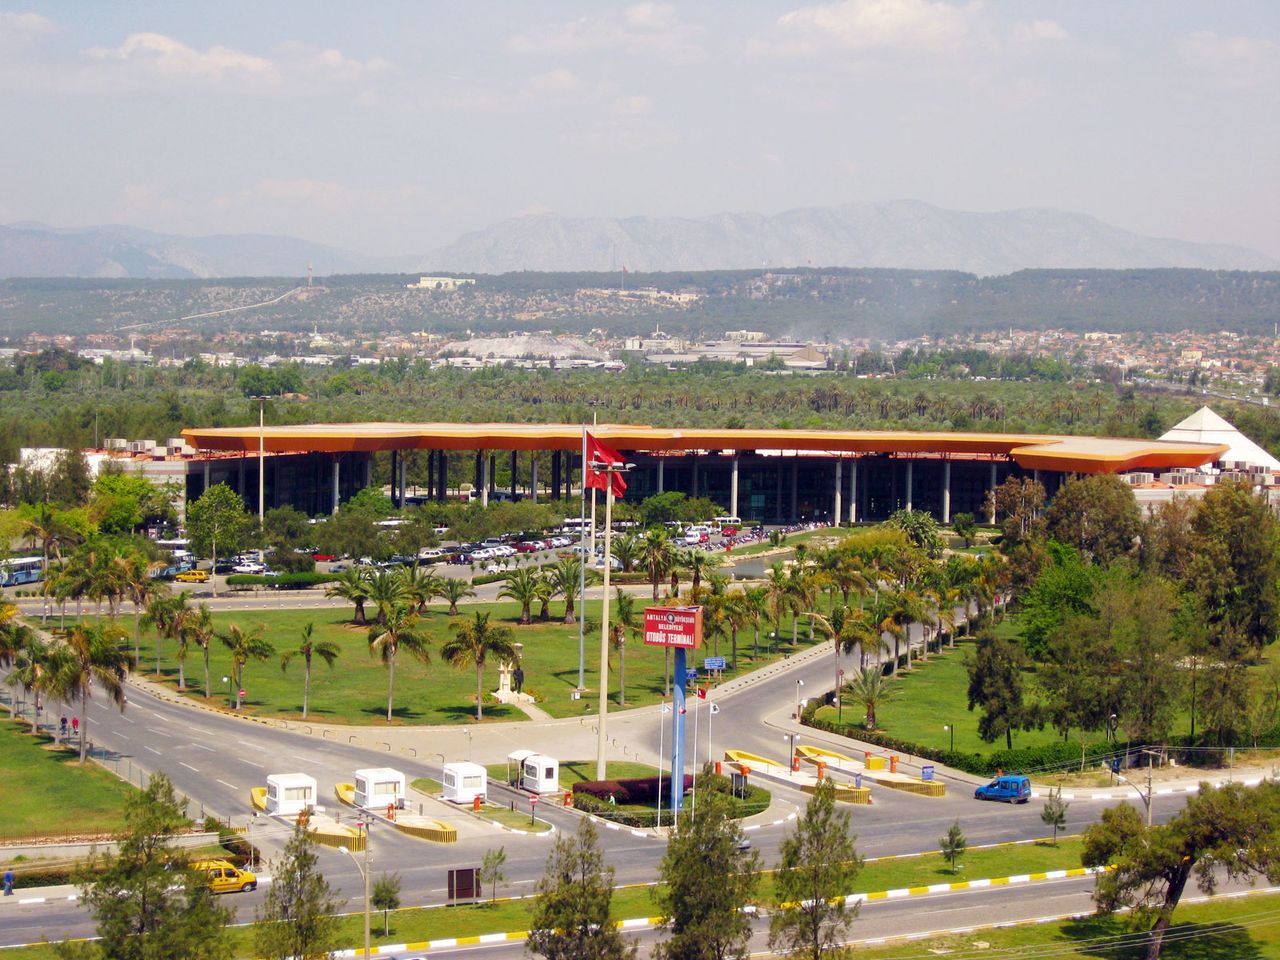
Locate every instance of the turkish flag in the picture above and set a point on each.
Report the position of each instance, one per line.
(597, 452)
(702, 693)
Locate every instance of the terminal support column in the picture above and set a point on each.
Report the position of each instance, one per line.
(991, 489)
(484, 465)
(662, 464)
(910, 477)
(835, 513)
(333, 507)
(400, 500)
(442, 477)
(533, 475)
(853, 490)
(514, 464)
(733, 486)
(946, 491)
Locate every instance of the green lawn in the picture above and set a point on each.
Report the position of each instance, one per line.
(930, 696)
(575, 771)
(49, 793)
(355, 691)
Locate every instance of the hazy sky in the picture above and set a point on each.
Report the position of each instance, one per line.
(392, 127)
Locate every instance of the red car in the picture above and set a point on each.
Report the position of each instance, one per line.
(323, 557)
(728, 531)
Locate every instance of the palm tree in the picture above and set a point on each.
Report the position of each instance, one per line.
(626, 618)
(565, 575)
(522, 586)
(89, 657)
(700, 564)
(545, 594)
(386, 640)
(326, 650)
(27, 657)
(386, 590)
(777, 589)
(60, 583)
(134, 571)
(870, 687)
(455, 590)
(421, 585)
(657, 555)
(755, 605)
(47, 528)
(245, 645)
(199, 630)
(895, 613)
(473, 642)
(165, 613)
(352, 586)
(627, 550)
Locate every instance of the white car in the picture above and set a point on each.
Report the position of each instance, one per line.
(253, 567)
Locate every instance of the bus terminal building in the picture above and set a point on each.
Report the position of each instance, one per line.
(772, 475)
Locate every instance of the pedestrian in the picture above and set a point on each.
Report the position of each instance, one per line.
(62, 726)
(75, 725)
(8, 882)
(518, 677)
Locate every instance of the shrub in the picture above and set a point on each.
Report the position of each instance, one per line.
(636, 790)
(286, 581)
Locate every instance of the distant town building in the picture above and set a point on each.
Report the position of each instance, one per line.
(440, 284)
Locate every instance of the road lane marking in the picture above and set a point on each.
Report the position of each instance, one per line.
(201, 746)
(188, 766)
(231, 785)
(122, 736)
(251, 763)
(152, 749)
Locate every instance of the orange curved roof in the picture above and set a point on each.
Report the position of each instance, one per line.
(1033, 451)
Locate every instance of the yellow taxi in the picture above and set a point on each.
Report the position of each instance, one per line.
(225, 877)
(193, 576)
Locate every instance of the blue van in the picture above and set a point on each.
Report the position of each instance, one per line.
(1012, 789)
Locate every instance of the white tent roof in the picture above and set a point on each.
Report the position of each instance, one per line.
(1205, 426)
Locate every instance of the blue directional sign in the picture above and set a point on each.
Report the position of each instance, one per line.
(690, 675)
(714, 663)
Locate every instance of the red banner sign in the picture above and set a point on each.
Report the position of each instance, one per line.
(673, 627)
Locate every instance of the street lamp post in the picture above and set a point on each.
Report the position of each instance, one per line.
(467, 731)
(799, 684)
(1147, 797)
(952, 729)
(792, 750)
(364, 875)
(227, 681)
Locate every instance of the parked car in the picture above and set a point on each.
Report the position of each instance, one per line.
(193, 576)
(323, 557)
(1009, 788)
(253, 567)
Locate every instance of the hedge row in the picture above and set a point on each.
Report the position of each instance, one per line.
(1022, 759)
(286, 581)
(627, 818)
(638, 790)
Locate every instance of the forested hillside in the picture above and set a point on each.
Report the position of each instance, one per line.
(808, 303)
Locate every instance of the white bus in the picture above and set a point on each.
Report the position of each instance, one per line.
(721, 522)
(576, 526)
(21, 570)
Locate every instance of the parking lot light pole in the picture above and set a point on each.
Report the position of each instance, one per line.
(952, 729)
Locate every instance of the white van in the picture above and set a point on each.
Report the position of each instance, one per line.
(721, 522)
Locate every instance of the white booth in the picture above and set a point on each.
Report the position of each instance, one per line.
(288, 794)
(463, 782)
(537, 773)
(379, 787)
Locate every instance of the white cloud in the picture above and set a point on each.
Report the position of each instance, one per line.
(175, 59)
(1029, 32)
(644, 29)
(554, 83)
(22, 27)
(634, 106)
(856, 26)
(1232, 61)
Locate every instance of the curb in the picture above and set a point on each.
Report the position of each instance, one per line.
(1128, 793)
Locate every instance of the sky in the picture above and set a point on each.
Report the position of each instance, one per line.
(389, 128)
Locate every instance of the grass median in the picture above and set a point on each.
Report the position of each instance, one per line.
(355, 690)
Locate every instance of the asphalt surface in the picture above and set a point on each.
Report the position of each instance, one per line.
(215, 758)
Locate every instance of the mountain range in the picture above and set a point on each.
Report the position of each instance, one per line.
(905, 234)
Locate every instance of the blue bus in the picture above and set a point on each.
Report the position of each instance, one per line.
(20, 570)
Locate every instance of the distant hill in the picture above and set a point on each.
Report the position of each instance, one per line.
(37, 250)
(899, 234)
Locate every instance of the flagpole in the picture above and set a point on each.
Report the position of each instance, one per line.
(694, 800)
(710, 713)
(582, 582)
(662, 712)
(604, 625)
